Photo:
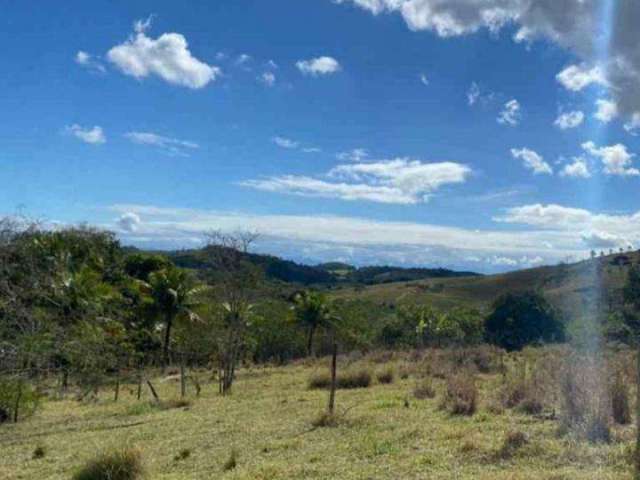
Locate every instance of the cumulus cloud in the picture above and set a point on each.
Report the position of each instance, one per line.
(167, 57)
(573, 25)
(606, 110)
(532, 161)
(94, 136)
(128, 222)
(616, 159)
(319, 66)
(594, 239)
(578, 77)
(424, 79)
(577, 169)
(169, 145)
(510, 114)
(397, 181)
(569, 120)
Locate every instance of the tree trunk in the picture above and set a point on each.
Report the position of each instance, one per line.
(17, 405)
(167, 339)
(334, 365)
(116, 394)
(312, 331)
(153, 391)
(139, 386)
(183, 386)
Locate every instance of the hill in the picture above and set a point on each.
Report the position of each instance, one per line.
(327, 274)
(568, 286)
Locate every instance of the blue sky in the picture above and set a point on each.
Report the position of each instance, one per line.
(414, 132)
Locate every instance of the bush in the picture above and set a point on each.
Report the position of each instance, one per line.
(39, 452)
(461, 395)
(424, 389)
(513, 441)
(520, 319)
(124, 464)
(385, 376)
(16, 392)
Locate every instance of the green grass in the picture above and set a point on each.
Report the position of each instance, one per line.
(268, 423)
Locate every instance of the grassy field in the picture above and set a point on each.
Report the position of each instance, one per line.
(268, 422)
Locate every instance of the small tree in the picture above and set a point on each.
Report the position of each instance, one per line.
(311, 311)
(174, 295)
(520, 319)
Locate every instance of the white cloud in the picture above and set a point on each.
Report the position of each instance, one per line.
(319, 66)
(606, 111)
(424, 79)
(89, 61)
(578, 169)
(311, 150)
(574, 25)
(354, 155)
(129, 222)
(167, 57)
(285, 142)
(243, 59)
(595, 239)
(399, 181)
(94, 136)
(633, 125)
(578, 77)
(569, 120)
(170, 145)
(268, 78)
(616, 159)
(510, 114)
(473, 94)
(532, 161)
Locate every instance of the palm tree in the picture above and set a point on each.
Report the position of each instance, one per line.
(311, 311)
(173, 292)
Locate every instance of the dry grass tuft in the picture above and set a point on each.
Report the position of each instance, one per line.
(386, 376)
(232, 461)
(424, 389)
(123, 464)
(461, 395)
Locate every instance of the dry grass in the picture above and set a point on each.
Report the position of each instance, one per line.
(268, 419)
(121, 464)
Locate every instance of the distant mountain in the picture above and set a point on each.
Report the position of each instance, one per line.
(331, 273)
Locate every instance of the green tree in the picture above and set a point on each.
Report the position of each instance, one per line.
(311, 312)
(174, 294)
(520, 319)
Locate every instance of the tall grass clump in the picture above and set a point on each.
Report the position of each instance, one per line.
(461, 394)
(424, 389)
(351, 378)
(586, 405)
(620, 407)
(122, 464)
(385, 376)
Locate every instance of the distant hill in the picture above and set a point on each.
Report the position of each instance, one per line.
(568, 286)
(326, 274)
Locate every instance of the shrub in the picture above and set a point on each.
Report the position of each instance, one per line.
(385, 376)
(123, 464)
(520, 319)
(424, 389)
(232, 461)
(39, 452)
(17, 392)
(620, 400)
(513, 441)
(461, 394)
